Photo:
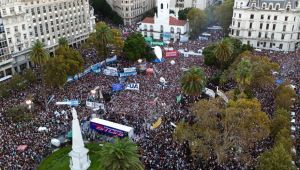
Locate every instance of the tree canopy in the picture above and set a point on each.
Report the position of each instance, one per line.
(182, 14)
(136, 48)
(277, 158)
(219, 129)
(223, 14)
(197, 20)
(193, 81)
(120, 155)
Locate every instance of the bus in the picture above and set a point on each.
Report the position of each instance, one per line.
(111, 128)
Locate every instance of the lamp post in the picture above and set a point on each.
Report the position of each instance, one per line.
(29, 103)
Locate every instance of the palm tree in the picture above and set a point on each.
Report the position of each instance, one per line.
(223, 51)
(104, 36)
(120, 155)
(63, 41)
(39, 57)
(193, 81)
(243, 74)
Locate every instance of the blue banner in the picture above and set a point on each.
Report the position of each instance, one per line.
(111, 60)
(126, 74)
(117, 87)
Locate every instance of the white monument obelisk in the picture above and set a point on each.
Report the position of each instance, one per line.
(79, 157)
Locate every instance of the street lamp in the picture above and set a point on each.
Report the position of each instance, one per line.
(140, 61)
(29, 103)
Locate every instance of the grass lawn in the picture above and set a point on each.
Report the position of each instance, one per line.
(60, 159)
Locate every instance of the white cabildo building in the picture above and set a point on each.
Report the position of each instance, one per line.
(22, 22)
(267, 24)
(164, 26)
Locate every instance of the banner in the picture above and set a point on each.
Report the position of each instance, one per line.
(110, 71)
(130, 69)
(95, 105)
(111, 60)
(125, 74)
(171, 54)
(132, 86)
(117, 87)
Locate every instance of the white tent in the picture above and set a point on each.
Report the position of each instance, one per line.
(158, 52)
(55, 142)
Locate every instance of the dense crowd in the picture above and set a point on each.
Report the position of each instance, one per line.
(138, 109)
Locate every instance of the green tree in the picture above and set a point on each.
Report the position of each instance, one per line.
(197, 20)
(193, 81)
(120, 155)
(72, 59)
(182, 14)
(55, 72)
(40, 57)
(284, 137)
(136, 48)
(4, 90)
(223, 52)
(284, 96)
(223, 14)
(277, 158)
(219, 129)
(243, 74)
(262, 69)
(63, 41)
(17, 82)
(279, 122)
(104, 36)
(209, 56)
(117, 41)
(29, 76)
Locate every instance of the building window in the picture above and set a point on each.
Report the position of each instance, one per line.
(238, 33)
(275, 17)
(280, 46)
(240, 15)
(284, 28)
(266, 35)
(252, 16)
(269, 17)
(277, 6)
(262, 17)
(267, 27)
(249, 34)
(282, 36)
(161, 6)
(261, 26)
(272, 36)
(259, 34)
(239, 24)
(250, 26)
(274, 27)
(286, 18)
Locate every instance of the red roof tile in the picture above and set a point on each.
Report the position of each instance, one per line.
(172, 21)
(149, 20)
(177, 22)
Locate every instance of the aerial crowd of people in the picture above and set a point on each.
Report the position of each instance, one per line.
(138, 109)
